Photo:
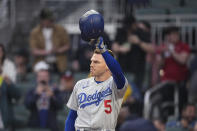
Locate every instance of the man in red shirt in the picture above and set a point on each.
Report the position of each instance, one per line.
(174, 55)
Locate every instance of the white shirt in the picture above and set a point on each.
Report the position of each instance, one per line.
(47, 33)
(97, 105)
(9, 69)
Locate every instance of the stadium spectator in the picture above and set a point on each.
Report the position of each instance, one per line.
(124, 113)
(66, 85)
(174, 56)
(8, 93)
(134, 122)
(159, 124)
(132, 95)
(195, 127)
(187, 120)
(44, 100)
(50, 42)
(7, 66)
(21, 62)
(132, 43)
(82, 57)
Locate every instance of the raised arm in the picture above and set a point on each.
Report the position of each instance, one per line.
(112, 64)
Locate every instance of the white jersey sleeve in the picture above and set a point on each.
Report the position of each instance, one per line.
(73, 102)
(119, 93)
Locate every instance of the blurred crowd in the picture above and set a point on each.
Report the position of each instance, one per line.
(50, 54)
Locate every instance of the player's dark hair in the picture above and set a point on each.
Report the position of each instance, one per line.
(97, 51)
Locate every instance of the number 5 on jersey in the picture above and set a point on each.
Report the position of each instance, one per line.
(107, 105)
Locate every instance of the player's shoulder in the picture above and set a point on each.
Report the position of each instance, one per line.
(84, 82)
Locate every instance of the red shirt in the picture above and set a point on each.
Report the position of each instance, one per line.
(172, 69)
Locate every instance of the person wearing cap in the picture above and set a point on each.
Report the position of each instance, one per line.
(50, 42)
(22, 66)
(66, 86)
(44, 100)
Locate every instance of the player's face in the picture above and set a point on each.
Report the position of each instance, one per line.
(98, 66)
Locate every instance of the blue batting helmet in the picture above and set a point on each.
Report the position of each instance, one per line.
(91, 25)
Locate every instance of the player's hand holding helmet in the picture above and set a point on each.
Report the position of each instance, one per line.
(100, 44)
(91, 25)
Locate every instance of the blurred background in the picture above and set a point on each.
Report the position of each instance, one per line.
(155, 42)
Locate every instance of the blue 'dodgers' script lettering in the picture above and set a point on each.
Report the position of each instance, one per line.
(95, 98)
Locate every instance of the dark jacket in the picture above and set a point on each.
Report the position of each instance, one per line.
(55, 104)
(7, 94)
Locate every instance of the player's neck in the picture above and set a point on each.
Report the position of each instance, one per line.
(102, 77)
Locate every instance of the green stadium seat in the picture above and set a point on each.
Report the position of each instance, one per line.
(185, 10)
(55, 78)
(191, 3)
(61, 117)
(172, 118)
(32, 129)
(31, 76)
(4, 129)
(164, 3)
(176, 129)
(21, 115)
(80, 75)
(150, 11)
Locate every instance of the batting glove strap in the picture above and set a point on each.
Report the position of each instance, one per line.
(100, 45)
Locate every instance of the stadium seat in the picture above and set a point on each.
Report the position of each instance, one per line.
(4, 130)
(31, 76)
(80, 75)
(191, 3)
(32, 129)
(140, 13)
(185, 10)
(21, 115)
(172, 118)
(164, 3)
(176, 129)
(62, 115)
(150, 11)
(55, 78)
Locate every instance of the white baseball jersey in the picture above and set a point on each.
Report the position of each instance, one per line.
(97, 105)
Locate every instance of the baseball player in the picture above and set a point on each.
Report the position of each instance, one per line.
(96, 101)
